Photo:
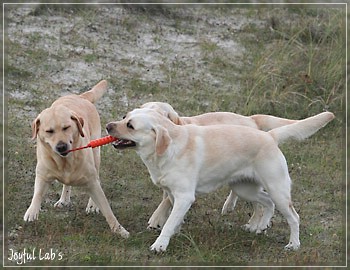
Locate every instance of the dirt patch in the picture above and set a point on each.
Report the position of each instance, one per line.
(77, 46)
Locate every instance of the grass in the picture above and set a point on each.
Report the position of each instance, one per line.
(299, 62)
(291, 65)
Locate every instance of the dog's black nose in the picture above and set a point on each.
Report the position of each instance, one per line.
(109, 127)
(61, 147)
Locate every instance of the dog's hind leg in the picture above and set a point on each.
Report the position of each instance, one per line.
(285, 206)
(275, 178)
(253, 223)
(230, 203)
(263, 206)
(265, 213)
(65, 197)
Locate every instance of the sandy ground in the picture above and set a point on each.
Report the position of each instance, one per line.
(77, 49)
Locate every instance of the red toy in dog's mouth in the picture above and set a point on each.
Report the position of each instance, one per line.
(121, 144)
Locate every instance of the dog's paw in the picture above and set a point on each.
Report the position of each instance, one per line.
(160, 244)
(123, 233)
(262, 228)
(31, 214)
(292, 246)
(92, 207)
(61, 203)
(152, 228)
(119, 229)
(257, 228)
(261, 231)
(250, 227)
(157, 221)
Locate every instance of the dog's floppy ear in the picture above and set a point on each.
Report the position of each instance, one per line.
(170, 113)
(79, 121)
(35, 127)
(162, 140)
(174, 117)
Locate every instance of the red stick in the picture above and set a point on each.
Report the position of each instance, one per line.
(95, 143)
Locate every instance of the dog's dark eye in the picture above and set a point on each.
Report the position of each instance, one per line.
(124, 116)
(65, 128)
(129, 125)
(50, 131)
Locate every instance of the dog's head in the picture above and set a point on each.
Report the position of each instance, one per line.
(164, 109)
(58, 127)
(141, 129)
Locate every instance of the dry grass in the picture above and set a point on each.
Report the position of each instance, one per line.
(284, 61)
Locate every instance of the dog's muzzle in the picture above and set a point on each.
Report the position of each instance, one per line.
(62, 148)
(120, 143)
(110, 127)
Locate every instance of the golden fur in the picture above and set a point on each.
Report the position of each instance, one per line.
(72, 121)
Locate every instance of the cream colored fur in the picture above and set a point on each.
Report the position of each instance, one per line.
(258, 121)
(188, 160)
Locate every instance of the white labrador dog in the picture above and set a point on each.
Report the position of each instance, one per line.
(187, 160)
(71, 121)
(257, 121)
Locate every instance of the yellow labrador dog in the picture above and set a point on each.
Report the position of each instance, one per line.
(258, 121)
(188, 160)
(71, 121)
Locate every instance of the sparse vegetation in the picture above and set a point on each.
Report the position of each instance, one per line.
(289, 62)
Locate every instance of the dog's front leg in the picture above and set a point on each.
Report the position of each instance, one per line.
(182, 203)
(40, 188)
(98, 196)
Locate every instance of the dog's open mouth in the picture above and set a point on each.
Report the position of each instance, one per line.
(122, 144)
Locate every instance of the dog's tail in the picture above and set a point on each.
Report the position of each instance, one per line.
(96, 92)
(268, 122)
(302, 128)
